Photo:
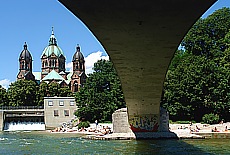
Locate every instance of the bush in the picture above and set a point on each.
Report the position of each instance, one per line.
(182, 122)
(107, 122)
(211, 118)
(84, 124)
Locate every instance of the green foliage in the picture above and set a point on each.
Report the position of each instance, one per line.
(53, 89)
(184, 122)
(3, 97)
(101, 94)
(208, 34)
(211, 118)
(65, 92)
(198, 79)
(28, 93)
(42, 92)
(83, 124)
(22, 93)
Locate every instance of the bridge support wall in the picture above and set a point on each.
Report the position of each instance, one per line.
(120, 121)
(121, 125)
(1, 120)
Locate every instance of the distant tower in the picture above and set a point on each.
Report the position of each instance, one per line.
(52, 58)
(25, 65)
(78, 77)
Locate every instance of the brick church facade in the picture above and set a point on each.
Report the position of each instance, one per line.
(53, 66)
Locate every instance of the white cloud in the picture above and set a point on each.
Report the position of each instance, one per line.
(5, 83)
(69, 66)
(89, 61)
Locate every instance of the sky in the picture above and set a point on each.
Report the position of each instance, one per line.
(31, 21)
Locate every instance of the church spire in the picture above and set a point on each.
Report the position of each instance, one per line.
(52, 30)
(25, 46)
(53, 40)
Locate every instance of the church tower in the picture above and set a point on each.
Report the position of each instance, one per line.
(78, 77)
(53, 58)
(25, 65)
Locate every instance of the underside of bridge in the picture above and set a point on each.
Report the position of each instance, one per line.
(140, 37)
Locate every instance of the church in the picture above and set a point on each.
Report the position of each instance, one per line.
(53, 66)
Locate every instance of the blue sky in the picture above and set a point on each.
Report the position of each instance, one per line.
(31, 21)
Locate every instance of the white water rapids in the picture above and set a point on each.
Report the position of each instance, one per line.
(22, 126)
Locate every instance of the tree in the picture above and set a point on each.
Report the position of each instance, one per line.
(22, 93)
(3, 97)
(53, 89)
(198, 79)
(208, 34)
(42, 92)
(65, 92)
(101, 94)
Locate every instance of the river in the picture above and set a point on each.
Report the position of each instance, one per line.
(37, 143)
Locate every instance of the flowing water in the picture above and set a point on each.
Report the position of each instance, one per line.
(22, 126)
(39, 143)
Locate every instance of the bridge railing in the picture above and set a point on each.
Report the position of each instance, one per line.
(20, 107)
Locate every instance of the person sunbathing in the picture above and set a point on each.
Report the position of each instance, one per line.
(215, 130)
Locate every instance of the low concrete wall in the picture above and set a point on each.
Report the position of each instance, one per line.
(1, 120)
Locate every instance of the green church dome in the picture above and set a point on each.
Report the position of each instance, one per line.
(52, 48)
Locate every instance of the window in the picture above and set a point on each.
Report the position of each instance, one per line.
(61, 103)
(72, 103)
(23, 65)
(50, 103)
(56, 113)
(66, 112)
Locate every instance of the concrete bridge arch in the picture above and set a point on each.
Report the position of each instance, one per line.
(140, 38)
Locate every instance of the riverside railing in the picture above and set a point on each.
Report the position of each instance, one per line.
(20, 107)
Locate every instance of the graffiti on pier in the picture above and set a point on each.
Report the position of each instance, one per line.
(144, 123)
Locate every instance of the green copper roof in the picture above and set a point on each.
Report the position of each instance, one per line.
(37, 75)
(53, 75)
(52, 47)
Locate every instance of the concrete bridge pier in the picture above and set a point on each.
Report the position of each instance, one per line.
(140, 37)
(142, 127)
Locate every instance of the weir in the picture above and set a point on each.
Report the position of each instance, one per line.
(25, 126)
(15, 122)
(22, 118)
(56, 111)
